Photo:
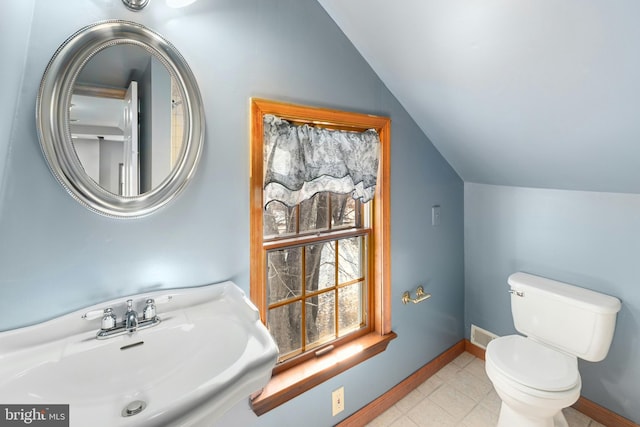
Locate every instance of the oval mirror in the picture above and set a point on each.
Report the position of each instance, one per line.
(120, 119)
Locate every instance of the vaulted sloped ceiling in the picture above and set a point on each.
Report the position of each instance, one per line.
(535, 93)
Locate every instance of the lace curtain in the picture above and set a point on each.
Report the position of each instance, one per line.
(302, 161)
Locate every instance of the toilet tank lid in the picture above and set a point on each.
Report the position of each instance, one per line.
(591, 300)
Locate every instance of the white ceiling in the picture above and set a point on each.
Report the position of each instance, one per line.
(535, 93)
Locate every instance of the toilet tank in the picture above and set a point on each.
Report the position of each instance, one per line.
(575, 320)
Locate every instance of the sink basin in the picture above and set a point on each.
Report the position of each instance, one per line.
(209, 351)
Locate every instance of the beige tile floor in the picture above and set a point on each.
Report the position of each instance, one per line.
(459, 395)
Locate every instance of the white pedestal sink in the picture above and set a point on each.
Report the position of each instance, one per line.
(209, 351)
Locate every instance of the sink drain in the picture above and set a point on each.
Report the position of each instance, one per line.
(134, 408)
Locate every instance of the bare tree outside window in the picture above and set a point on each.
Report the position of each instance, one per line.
(315, 289)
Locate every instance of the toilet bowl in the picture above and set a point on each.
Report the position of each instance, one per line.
(533, 381)
(536, 374)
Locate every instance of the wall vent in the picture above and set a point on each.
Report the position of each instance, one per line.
(481, 337)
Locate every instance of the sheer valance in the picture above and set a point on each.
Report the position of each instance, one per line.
(301, 161)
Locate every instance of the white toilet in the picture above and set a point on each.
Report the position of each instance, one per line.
(536, 375)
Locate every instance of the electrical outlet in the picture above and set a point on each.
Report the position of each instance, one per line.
(337, 399)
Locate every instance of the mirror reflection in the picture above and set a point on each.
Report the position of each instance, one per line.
(126, 120)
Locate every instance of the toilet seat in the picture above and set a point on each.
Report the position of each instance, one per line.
(532, 364)
(523, 393)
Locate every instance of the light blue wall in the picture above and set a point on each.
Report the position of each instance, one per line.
(56, 256)
(588, 239)
(15, 24)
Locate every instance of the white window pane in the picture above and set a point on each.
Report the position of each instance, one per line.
(320, 266)
(351, 301)
(285, 323)
(284, 274)
(320, 317)
(349, 259)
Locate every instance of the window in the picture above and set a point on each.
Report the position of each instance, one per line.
(320, 272)
(317, 282)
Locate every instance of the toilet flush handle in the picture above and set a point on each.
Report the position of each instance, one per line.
(516, 293)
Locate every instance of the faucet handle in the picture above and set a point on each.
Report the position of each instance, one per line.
(108, 319)
(93, 314)
(149, 311)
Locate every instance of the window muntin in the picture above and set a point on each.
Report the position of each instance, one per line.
(317, 280)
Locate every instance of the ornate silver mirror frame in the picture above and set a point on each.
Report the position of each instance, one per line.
(53, 118)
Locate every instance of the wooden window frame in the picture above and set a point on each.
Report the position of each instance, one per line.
(327, 362)
(365, 281)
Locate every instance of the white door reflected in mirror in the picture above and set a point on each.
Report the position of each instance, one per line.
(127, 133)
(128, 176)
(105, 136)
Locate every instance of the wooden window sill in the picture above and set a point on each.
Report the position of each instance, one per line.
(288, 384)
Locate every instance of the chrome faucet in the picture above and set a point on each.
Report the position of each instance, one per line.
(110, 327)
(130, 320)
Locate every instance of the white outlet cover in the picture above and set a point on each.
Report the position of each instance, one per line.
(337, 401)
